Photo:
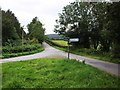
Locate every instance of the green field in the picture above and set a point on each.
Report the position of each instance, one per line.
(55, 73)
(60, 42)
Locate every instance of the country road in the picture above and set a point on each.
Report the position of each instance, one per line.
(51, 52)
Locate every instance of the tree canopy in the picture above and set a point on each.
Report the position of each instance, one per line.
(36, 30)
(11, 29)
(94, 23)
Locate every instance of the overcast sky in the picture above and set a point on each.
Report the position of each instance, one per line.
(46, 10)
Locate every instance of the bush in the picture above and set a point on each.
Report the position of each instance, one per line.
(16, 49)
(21, 50)
(116, 51)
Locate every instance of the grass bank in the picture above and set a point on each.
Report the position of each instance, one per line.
(55, 73)
(21, 50)
(91, 53)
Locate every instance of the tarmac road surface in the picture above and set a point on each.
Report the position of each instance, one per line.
(51, 52)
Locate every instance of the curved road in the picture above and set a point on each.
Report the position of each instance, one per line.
(55, 53)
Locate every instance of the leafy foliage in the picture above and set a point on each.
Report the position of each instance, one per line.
(94, 23)
(11, 29)
(23, 48)
(73, 22)
(8, 51)
(114, 27)
(36, 30)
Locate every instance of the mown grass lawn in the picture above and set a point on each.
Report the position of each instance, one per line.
(60, 42)
(55, 73)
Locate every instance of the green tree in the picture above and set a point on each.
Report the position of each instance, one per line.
(11, 29)
(36, 30)
(99, 11)
(74, 21)
(114, 27)
(87, 21)
(93, 23)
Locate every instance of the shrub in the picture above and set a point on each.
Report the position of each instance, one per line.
(21, 50)
(116, 51)
(24, 48)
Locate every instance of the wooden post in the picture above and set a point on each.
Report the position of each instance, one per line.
(68, 50)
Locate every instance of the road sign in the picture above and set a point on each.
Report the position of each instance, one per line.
(69, 41)
(74, 39)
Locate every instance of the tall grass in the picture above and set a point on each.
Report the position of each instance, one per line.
(55, 73)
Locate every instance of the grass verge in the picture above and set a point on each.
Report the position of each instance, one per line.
(55, 73)
(89, 53)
